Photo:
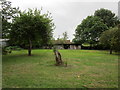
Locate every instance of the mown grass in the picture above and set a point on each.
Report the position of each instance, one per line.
(86, 69)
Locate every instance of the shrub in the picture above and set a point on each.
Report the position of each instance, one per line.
(8, 49)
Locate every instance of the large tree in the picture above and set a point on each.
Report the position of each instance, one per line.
(89, 30)
(8, 13)
(107, 16)
(111, 39)
(30, 28)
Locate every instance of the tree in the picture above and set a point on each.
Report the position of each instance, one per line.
(8, 13)
(63, 39)
(107, 16)
(30, 28)
(89, 30)
(65, 36)
(111, 39)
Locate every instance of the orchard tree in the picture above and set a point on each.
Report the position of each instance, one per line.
(30, 28)
(107, 16)
(8, 13)
(89, 30)
(111, 39)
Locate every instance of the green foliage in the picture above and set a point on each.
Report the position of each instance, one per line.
(15, 48)
(8, 13)
(107, 16)
(89, 30)
(54, 49)
(111, 38)
(65, 36)
(31, 25)
(31, 28)
(6, 50)
(62, 40)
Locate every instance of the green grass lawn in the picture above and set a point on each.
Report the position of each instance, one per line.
(86, 69)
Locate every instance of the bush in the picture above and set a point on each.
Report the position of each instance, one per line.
(111, 39)
(8, 49)
(15, 48)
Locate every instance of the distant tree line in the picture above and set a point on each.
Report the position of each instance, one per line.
(99, 30)
(32, 28)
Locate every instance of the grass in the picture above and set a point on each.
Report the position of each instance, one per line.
(86, 69)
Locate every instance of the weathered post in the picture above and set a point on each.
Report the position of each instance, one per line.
(57, 57)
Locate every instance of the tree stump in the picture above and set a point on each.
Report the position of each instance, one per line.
(57, 57)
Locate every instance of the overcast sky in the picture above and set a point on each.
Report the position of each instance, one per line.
(67, 14)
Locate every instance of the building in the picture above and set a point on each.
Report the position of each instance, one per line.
(59, 44)
(3, 42)
(66, 45)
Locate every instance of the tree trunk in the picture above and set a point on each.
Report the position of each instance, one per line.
(90, 46)
(29, 48)
(58, 58)
(110, 50)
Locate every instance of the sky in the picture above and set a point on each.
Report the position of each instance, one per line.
(67, 14)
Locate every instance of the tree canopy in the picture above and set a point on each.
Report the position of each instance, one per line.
(89, 30)
(30, 28)
(107, 16)
(8, 13)
(111, 39)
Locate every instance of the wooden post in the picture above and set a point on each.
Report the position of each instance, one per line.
(30, 47)
(57, 57)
